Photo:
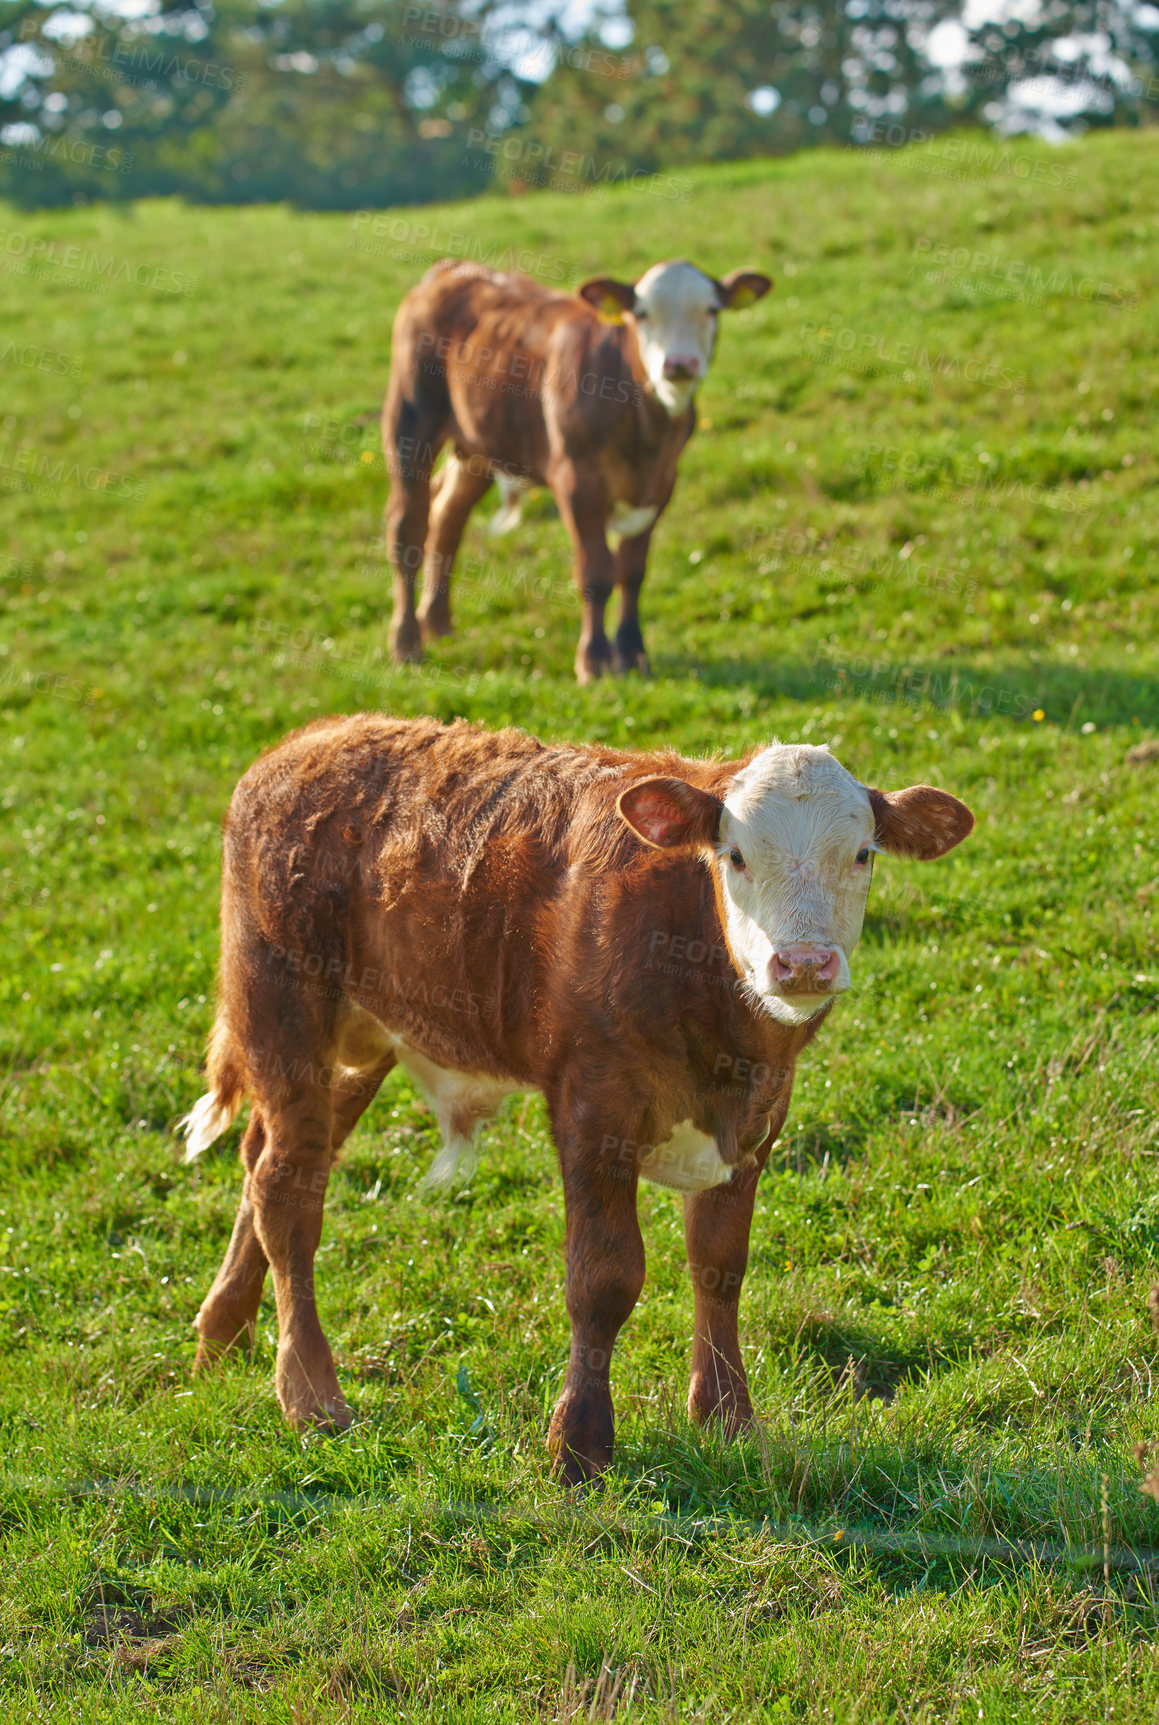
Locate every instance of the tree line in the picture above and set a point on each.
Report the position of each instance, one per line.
(358, 104)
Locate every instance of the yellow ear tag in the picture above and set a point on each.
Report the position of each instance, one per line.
(611, 310)
(743, 297)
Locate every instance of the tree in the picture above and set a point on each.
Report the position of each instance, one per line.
(1069, 65)
(332, 103)
(728, 78)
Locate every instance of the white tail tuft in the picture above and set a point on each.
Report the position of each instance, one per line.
(510, 512)
(206, 1120)
(453, 1166)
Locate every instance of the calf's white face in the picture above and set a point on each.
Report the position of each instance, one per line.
(792, 846)
(673, 309)
(797, 836)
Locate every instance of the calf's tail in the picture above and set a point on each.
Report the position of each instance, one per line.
(209, 1117)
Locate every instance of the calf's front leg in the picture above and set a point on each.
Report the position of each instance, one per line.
(605, 1272)
(631, 562)
(716, 1238)
(583, 509)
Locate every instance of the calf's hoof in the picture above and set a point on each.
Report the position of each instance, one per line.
(433, 625)
(580, 1438)
(628, 653)
(311, 1401)
(592, 661)
(575, 1469)
(727, 1406)
(221, 1332)
(329, 1418)
(406, 644)
(211, 1351)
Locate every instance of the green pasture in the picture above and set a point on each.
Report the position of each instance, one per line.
(917, 522)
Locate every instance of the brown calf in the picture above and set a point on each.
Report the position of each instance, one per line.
(649, 941)
(530, 386)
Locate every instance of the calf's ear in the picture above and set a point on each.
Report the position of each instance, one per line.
(669, 813)
(920, 823)
(742, 287)
(610, 297)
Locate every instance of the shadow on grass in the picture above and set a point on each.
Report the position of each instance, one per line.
(846, 1359)
(811, 1145)
(1012, 690)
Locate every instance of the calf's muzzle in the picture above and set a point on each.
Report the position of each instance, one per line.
(804, 969)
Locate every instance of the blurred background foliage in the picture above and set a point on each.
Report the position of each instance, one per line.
(336, 104)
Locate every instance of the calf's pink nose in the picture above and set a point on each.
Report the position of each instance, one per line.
(805, 966)
(681, 365)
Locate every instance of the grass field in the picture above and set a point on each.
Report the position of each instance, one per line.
(916, 523)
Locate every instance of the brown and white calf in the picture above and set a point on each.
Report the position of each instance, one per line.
(537, 387)
(647, 940)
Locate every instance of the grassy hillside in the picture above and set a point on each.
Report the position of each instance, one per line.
(916, 523)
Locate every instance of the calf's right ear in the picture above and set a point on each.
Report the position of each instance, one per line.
(670, 813)
(920, 823)
(610, 297)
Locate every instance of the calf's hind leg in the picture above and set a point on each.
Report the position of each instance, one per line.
(228, 1314)
(229, 1311)
(410, 444)
(460, 485)
(288, 1192)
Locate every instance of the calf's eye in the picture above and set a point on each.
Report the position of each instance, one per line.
(735, 858)
(863, 855)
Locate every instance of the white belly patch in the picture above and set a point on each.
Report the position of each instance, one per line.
(626, 521)
(688, 1161)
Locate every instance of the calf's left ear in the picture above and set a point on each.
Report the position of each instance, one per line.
(670, 813)
(920, 823)
(742, 287)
